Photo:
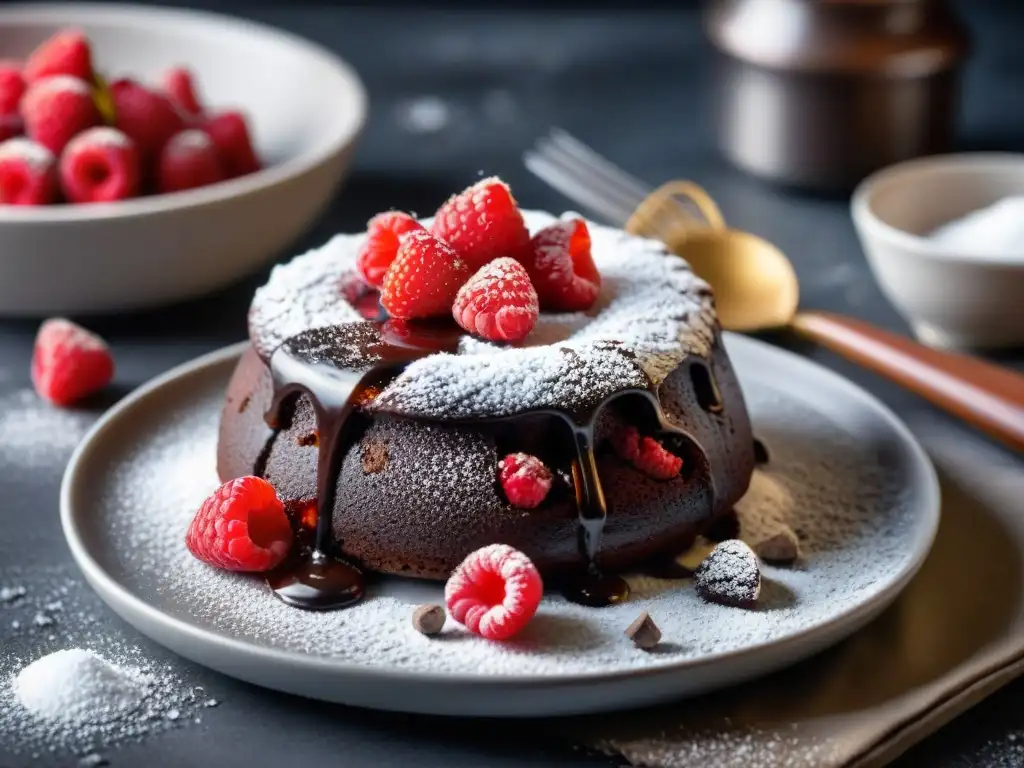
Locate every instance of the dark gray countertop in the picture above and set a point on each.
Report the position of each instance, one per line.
(630, 83)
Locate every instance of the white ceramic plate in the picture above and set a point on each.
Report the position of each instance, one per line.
(844, 472)
(306, 109)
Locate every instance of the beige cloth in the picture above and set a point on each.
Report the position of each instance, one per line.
(953, 637)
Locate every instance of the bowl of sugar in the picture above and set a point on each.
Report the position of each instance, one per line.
(944, 236)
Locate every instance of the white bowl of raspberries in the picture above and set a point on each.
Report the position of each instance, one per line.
(151, 155)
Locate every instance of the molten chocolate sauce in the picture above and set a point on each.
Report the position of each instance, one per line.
(338, 368)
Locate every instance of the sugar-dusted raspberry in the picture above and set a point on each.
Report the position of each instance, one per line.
(230, 134)
(66, 53)
(423, 279)
(646, 454)
(524, 479)
(28, 173)
(383, 232)
(56, 109)
(482, 223)
(69, 362)
(498, 302)
(147, 117)
(494, 592)
(188, 160)
(179, 85)
(242, 526)
(100, 165)
(12, 86)
(562, 268)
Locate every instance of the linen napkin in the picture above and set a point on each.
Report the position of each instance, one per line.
(953, 637)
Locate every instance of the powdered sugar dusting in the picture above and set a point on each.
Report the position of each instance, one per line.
(651, 314)
(35, 155)
(304, 294)
(103, 136)
(191, 139)
(853, 516)
(33, 432)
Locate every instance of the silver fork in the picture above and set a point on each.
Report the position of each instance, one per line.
(590, 180)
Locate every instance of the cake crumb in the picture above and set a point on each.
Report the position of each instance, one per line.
(375, 456)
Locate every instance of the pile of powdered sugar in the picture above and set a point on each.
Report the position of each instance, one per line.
(995, 230)
(822, 482)
(652, 312)
(67, 686)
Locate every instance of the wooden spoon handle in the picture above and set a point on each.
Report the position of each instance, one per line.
(984, 395)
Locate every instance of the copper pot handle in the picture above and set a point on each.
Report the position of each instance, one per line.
(987, 396)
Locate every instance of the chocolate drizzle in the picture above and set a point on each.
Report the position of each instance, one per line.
(340, 368)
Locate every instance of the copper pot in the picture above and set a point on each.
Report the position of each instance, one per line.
(819, 93)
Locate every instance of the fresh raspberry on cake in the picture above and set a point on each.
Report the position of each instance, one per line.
(498, 302)
(242, 526)
(147, 117)
(100, 165)
(383, 232)
(646, 454)
(12, 86)
(562, 268)
(423, 279)
(524, 479)
(482, 223)
(180, 86)
(230, 135)
(66, 53)
(494, 592)
(188, 160)
(69, 362)
(56, 109)
(28, 173)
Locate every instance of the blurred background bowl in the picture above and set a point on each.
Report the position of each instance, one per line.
(951, 298)
(305, 108)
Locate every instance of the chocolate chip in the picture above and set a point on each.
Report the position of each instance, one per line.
(644, 632)
(244, 404)
(782, 547)
(309, 440)
(375, 456)
(729, 576)
(428, 619)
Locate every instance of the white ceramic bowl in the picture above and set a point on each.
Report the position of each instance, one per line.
(951, 298)
(306, 109)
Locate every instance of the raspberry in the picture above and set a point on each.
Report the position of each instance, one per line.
(100, 165)
(494, 592)
(12, 86)
(382, 234)
(57, 109)
(498, 302)
(66, 53)
(230, 135)
(242, 526)
(11, 126)
(69, 362)
(179, 85)
(561, 267)
(188, 160)
(423, 279)
(148, 118)
(28, 173)
(646, 454)
(482, 223)
(525, 480)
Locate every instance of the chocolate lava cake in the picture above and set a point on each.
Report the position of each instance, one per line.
(416, 483)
